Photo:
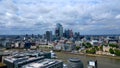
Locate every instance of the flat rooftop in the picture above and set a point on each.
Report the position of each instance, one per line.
(42, 63)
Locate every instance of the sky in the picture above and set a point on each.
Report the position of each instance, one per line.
(38, 16)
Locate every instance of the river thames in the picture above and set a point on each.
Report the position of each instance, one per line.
(102, 62)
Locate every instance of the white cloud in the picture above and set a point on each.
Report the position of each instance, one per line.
(86, 16)
(118, 16)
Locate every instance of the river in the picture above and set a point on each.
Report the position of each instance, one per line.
(102, 62)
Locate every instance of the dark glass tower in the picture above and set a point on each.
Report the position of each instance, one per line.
(58, 31)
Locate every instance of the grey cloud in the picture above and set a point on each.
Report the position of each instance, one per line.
(85, 16)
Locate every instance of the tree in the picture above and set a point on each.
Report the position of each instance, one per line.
(87, 51)
(91, 51)
(101, 48)
(83, 44)
(111, 51)
(113, 45)
(96, 47)
(77, 47)
(88, 45)
(117, 52)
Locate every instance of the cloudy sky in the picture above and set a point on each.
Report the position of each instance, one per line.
(37, 16)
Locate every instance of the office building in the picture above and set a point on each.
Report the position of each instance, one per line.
(68, 34)
(18, 61)
(77, 36)
(58, 31)
(45, 63)
(49, 36)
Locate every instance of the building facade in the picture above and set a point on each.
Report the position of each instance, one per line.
(59, 31)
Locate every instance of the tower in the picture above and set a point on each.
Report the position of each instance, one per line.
(58, 31)
(49, 36)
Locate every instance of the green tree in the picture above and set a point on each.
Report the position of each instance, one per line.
(113, 45)
(96, 47)
(87, 51)
(101, 48)
(83, 44)
(77, 47)
(91, 51)
(88, 45)
(117, 52)
(111, 51)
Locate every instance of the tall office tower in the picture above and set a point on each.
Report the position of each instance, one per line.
(68, 34)
(49, 36)
(77, 36)
(58, 31)
(71, 33)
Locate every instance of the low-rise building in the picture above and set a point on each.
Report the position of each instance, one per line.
(45, 63)
(18, 61)
(96, 42)
(106, 48)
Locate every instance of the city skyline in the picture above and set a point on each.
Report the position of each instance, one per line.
(39, 16)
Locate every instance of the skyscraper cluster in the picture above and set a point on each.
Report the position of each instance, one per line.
(61, 33)
(66, 34)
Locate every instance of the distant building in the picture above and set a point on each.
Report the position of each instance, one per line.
(113, 41)
(106, 48)
(77, 36)
(78, 43)
(69, 46)
(49, 36)
(58, 47)
(96, 42)
(119, 37)
(27, 45)
(58, 31)
(68, 34)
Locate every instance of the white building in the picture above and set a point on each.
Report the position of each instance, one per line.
(96, 42)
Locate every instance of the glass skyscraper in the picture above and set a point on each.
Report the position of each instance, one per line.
(59, 31)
